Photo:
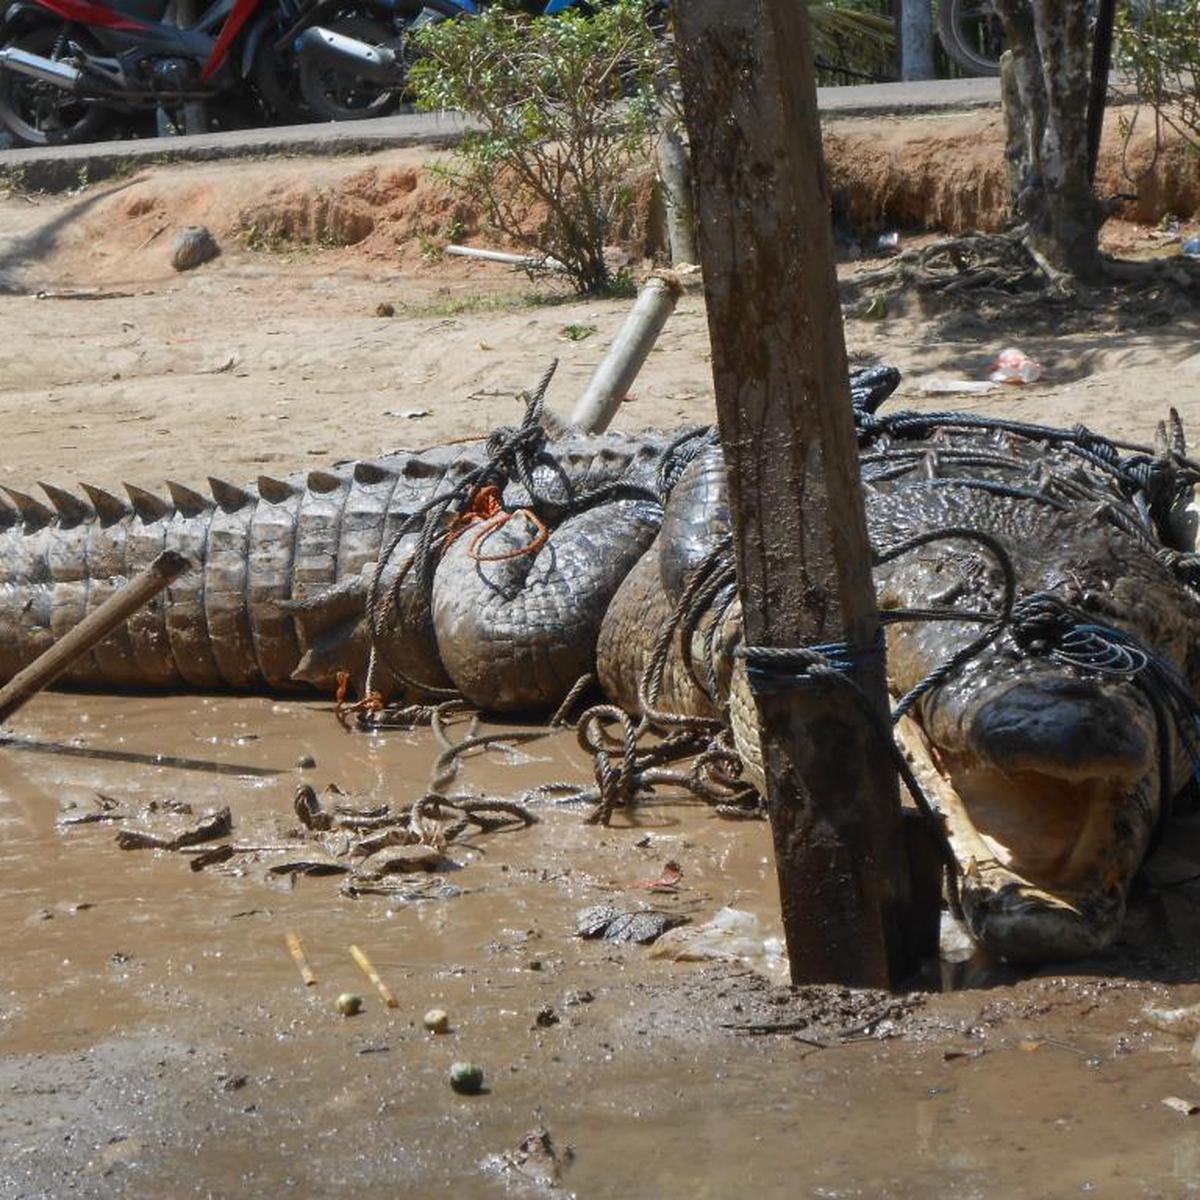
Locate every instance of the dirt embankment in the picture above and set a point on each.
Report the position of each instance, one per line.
(912, 173)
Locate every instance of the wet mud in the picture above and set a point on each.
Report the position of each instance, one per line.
(157, 1037)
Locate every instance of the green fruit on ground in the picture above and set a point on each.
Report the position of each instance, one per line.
(348, 1004)
(437, 1020)
(466, 1078)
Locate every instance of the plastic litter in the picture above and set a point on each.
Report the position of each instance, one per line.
(733, 935)
(1191, 247)
(1015, 366)
(888, 241)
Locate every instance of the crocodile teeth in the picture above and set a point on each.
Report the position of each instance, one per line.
(71, 510)
(33, 512)
(275, 491)
(146, 504)
(109, 508)
(323, 481)
(189, 502)
(228, 496)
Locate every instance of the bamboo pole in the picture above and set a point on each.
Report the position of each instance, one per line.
(791, 461)
(94, 628)
(615, 375)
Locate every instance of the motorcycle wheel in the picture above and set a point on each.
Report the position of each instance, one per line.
(336, 95)
(277, 78)
(972, 35)
(40, 114)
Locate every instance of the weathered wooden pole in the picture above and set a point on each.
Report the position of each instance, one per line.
(93, 629)
(803, 559)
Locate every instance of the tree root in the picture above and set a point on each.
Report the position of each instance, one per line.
(1003, 278)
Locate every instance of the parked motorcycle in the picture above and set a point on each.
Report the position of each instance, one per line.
(69, 67)
(346, 71)
(354, 59)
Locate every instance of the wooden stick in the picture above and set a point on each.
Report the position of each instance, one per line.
(94, 628)
(615, 375)
(297, 952)
(791, 465)
(369, 971)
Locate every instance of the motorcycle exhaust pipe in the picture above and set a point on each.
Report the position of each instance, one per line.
(375, 63)
(46, 69)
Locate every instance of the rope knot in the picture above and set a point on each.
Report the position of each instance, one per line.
(1041, 621)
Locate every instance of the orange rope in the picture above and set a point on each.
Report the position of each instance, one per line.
(344, 709)
(487, 505)
(498, 522)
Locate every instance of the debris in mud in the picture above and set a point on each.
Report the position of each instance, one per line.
(668, 881)
(1182, 1022)
(1187, 1108)
(642, 926)
(537, 1158)
(731, 936)
(376, 845)
(194, 245)
(437, 1020)
(206, 828)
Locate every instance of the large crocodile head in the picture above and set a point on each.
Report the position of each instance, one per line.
(1053, 753)
(1049, 755)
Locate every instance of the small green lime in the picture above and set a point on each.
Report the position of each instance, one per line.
(349, 1004)
(437, 1020)
(466, 1078)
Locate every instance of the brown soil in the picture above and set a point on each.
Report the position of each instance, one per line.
(156, 1037)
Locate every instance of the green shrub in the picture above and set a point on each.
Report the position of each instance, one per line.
(1158, 44)
(567, 106)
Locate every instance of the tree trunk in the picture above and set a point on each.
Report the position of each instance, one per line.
(1051, 67)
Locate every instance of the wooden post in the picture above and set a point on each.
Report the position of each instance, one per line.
(94, 628)
(803, 559)
(595, 409)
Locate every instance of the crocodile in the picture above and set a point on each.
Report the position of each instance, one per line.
(503, 570)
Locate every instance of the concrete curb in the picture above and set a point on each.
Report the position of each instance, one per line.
(69, 167)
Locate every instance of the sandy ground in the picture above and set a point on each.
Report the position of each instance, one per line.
(156, 1037)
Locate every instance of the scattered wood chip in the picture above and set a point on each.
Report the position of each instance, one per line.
(369, 971)
(296, 950)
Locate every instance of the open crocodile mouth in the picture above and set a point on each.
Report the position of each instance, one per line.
(1045, 856)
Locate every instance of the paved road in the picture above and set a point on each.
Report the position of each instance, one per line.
(69, 166)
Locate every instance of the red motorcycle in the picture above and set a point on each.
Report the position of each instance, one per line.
(68, 67)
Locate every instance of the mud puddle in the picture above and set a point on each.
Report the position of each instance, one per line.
(157, 1038)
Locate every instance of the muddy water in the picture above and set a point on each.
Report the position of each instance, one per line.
(157, 1038)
